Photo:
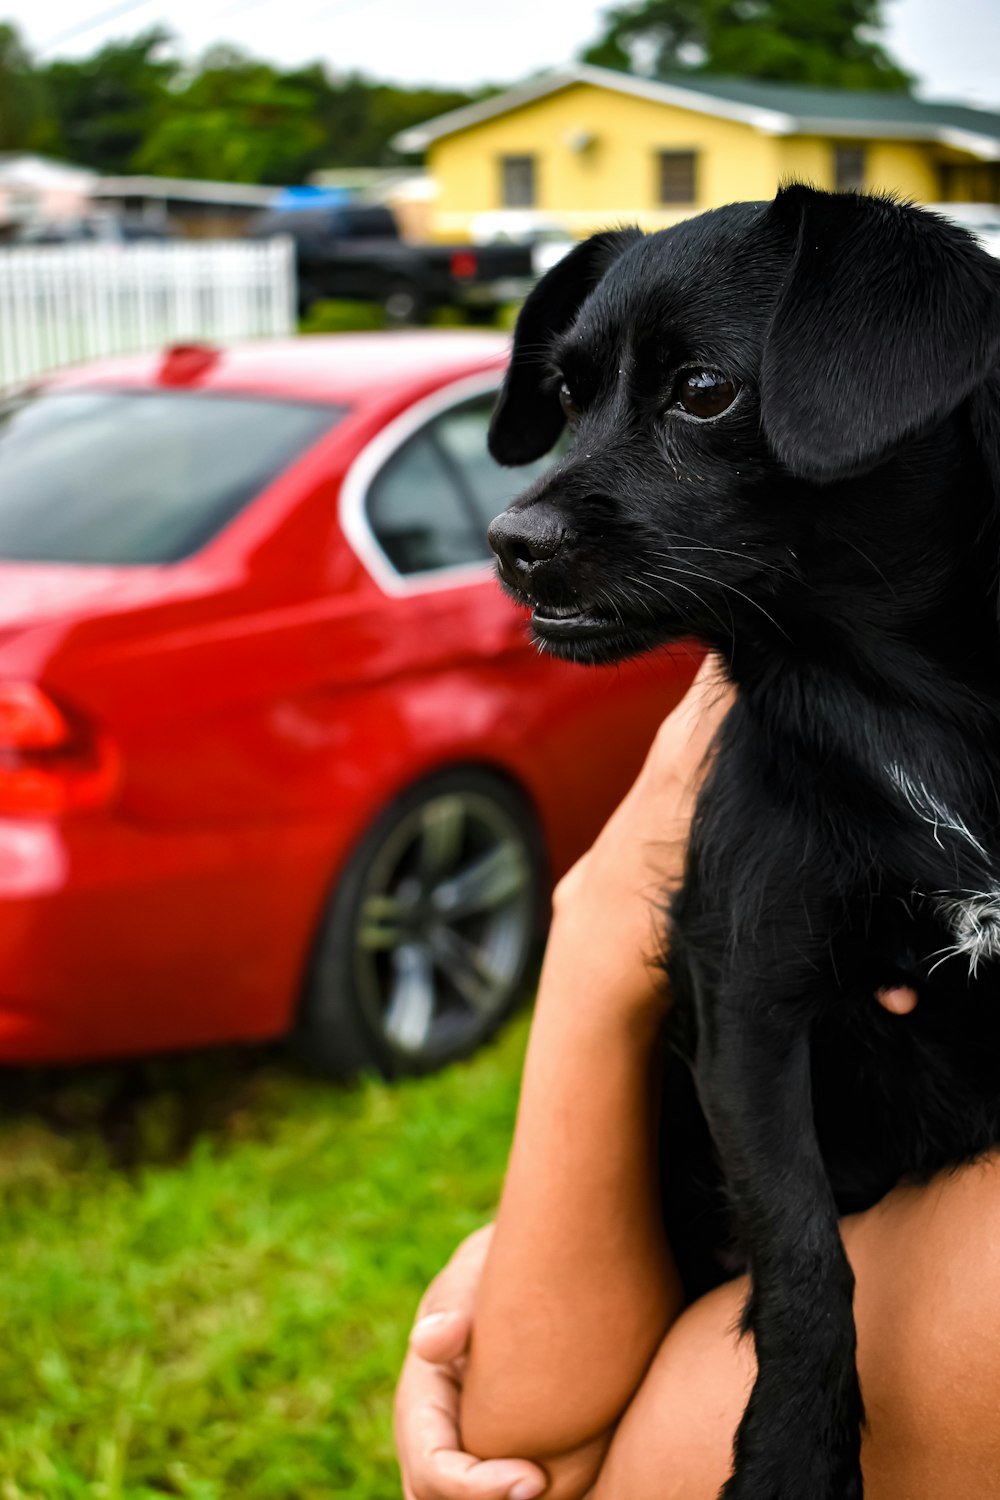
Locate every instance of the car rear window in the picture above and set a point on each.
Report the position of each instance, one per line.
(139, 476)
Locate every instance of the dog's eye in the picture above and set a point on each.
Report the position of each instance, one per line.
(706, 393)
(569, 406)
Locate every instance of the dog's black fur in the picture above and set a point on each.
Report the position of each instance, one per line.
(834, 534)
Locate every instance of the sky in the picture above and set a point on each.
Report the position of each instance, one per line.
(953, 47)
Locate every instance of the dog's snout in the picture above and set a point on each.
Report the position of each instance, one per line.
(524, 539)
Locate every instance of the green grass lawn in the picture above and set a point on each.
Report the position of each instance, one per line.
(208, 1269)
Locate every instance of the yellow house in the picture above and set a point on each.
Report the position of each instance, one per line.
(586, 147)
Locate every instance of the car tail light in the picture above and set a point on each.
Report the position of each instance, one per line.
(464, 264)
(51, 760)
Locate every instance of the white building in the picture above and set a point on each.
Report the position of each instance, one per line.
(36, 187)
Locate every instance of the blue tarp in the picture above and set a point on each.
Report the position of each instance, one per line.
(310, 197)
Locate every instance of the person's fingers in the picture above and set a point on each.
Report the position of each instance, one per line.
(499, 1479)
(570, 883)
(453, 1289)
(688, 733)
(441, 1336)
(900, 999)
(426, 1419)
(711, 693)
(711, 675)
(428, 1443)
(457, 1476)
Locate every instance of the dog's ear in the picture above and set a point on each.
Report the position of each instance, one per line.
(528, 419)
(889, 318)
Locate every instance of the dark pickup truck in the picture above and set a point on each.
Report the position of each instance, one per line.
(355, 252)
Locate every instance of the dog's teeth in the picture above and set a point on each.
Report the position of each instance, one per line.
(559, 611)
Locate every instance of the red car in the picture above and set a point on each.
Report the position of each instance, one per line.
(276, 755)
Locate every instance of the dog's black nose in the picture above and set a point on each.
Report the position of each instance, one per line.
(522, 539)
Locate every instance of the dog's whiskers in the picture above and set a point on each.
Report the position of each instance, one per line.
(676, 584)
(603, 595)
(635, 596)
(758, 562)
(731, 587)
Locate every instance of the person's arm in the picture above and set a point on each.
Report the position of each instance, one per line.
(590, 1277)
(579, 1285)
(432, 1463)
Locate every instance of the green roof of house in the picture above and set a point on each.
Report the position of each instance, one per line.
(776, 108)
(806, 103)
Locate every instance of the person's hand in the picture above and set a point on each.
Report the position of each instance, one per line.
(648, 830)
(619, 887)
(626, 875)
(900, 999)
(428, 1439)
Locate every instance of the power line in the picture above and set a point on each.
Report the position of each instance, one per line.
(327, 12)
(98, 18)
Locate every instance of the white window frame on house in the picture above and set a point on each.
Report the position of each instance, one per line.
(685, 192)
(518, 181)
(849, 165)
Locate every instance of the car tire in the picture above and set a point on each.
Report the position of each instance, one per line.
(432, 932)
(402, 304)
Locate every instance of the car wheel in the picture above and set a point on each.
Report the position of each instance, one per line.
(402, 304)
(431, 933)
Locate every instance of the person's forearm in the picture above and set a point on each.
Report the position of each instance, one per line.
(579, 1284)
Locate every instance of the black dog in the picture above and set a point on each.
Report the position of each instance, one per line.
(787, 444)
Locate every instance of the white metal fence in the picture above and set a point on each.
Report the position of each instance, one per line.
(60, 305)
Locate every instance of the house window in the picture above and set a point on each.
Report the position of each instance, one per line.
(968, 182)
(848, 169)
(678, 176)
(517, 187)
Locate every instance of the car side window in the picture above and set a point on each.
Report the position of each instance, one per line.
(431, 503)
(419, 515)
(462, 435)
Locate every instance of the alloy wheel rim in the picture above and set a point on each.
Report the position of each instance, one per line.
(445, 924)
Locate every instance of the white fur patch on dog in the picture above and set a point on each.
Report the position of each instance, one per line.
(933, 811)
(974, 921)
(973, 917)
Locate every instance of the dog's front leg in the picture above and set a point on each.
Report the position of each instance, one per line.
(800, 1434)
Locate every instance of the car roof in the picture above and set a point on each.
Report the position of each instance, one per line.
(348, 368)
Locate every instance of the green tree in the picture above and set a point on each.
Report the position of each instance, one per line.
(26, 122)
(244, 120)
(828, 42)
(133, 106)
(360, 117)
(107, 103)
(235, 119)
